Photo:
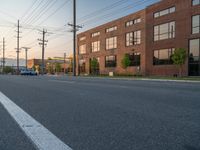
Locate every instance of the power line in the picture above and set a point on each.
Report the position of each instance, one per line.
(116, 12)
(43, 10)
(59, 8)
(97, 12)
(28, 10)
(7, 14)
(33, 11)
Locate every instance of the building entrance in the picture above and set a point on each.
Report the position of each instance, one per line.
(194, 57)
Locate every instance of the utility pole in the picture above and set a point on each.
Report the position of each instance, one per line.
(75, 29)
(3, 61)
(64, 63)
(26, 55)
(43, 43)
(18, 32)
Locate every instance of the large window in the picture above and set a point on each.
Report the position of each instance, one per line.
(163, 56)
(110, 61)
(82, 38)
(82, 66)
(164, 12)
(195, 2)
(95, 34)
(96, 46)
(111, 29)
(111, 43)
(135, 59)
(82, 49)
(132, 22)
(195, 24)
(194, 50)
(137, 37)
(133, 38)
(194, 57)
(164, 31)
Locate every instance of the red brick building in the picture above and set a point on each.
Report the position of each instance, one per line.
(149, 37)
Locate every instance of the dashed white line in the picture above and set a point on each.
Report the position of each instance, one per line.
(41, 137)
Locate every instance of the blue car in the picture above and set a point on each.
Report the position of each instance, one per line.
(28, 72)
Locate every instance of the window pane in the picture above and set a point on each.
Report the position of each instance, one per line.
(82, 49)
(195, 2)
(82, 38)
(195, 30)
(163, 28)
(195, 21)
(163, 56)
(156, 15)
(111, 43)
(164, 12)
(95, 46)
(171, 10)
(110, 61)
(156, 57)
(82, 66)
(164, 31)
(196, 24)
(194, 49)
(172, 30)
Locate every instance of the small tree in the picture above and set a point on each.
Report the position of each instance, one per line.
(125, 61)
(179, 58)
(50, 69)
(94, 65)
(58, 67)
(34, 68)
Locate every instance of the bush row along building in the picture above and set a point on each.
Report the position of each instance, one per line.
(149, 37)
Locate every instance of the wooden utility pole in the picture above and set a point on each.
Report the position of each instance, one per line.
(43, 44)
(18, 49)
(64, 63)
(75, 29)
(3, 61)
(26, 55)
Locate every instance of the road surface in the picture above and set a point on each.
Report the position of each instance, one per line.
(103, 114)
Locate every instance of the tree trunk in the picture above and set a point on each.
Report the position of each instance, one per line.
(180, 70)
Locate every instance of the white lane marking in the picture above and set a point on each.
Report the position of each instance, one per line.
(61, 81)
(41, 137)
(92, 84)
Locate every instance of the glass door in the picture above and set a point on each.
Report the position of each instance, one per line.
(194, 57)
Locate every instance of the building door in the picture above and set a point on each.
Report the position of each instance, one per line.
(194, 57)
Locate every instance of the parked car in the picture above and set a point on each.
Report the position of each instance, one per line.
(28, 72)
(33, 73)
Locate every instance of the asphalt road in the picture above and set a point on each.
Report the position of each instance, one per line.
(104, 114)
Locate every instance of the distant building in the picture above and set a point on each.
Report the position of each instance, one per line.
(34, 62)
(149, 37)
(51, 62)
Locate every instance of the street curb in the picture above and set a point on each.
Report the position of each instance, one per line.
(144, 79)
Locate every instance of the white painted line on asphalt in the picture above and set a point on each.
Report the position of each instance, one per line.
(61, 81)
(42, 138)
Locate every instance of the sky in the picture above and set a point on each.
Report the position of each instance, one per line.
(53, 16)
